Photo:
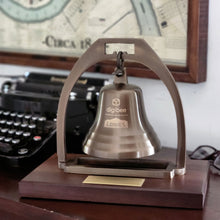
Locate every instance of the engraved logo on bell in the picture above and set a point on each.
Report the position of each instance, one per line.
(116, 123)
(116, 102)
(115, 110)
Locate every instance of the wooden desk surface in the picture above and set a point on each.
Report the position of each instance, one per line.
(12, 207)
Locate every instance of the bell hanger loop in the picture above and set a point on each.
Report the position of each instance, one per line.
(120, 72)
(120, 64)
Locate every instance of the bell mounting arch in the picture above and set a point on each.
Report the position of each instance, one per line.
(142, 54)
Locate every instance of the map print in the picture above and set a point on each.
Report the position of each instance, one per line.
(69, 27)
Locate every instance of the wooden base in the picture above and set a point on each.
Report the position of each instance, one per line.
(187, 191)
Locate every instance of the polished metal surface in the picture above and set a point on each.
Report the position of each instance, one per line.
(143, 55)
(121, 129)
(164, 173)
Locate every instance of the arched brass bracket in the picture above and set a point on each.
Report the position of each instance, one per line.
(143, 54)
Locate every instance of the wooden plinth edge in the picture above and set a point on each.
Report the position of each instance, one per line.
(187, 191)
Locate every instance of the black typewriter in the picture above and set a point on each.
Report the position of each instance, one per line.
(25, 138)
(28, 117)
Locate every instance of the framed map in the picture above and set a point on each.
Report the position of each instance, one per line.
(54, 33)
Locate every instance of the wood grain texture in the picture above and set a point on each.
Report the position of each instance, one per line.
(90, 211)
(21, 211)
(187, 191)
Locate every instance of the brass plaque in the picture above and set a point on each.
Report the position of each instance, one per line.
(118, 181)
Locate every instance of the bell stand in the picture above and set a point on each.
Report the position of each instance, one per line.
(142, 54)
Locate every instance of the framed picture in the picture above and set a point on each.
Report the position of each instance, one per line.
(54, 33)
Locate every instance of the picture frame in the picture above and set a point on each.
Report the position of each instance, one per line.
(196, 58)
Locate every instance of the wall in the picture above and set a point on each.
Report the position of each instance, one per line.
(201, 102)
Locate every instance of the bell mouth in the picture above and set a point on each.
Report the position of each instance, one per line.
(121, 155)
(122, 151)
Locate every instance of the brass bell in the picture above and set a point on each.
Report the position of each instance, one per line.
(121, 129)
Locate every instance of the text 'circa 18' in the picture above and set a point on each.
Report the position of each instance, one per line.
(53, 42)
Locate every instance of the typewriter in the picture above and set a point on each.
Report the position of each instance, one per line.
(28, 116)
